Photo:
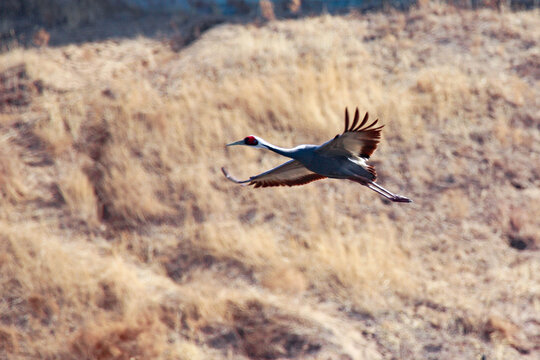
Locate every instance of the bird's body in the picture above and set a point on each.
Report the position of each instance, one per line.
(340, 167)
(343, 157)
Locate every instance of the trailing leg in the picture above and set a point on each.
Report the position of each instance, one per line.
(394, 197)
(381, 191)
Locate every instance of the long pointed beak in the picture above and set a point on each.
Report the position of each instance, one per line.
(239, 142)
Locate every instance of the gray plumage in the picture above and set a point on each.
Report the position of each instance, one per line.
(343, 157)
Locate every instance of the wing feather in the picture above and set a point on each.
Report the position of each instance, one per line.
(346, 119)
(356, 118)
(290, 173)
(363, 121)
(358, 139)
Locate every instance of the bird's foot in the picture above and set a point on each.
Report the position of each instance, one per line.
(403, 199)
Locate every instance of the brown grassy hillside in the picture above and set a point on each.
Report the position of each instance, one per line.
(120, 238)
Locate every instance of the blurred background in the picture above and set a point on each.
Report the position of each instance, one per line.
(121, 239)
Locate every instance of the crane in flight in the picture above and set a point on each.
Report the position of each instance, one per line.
(343, 157)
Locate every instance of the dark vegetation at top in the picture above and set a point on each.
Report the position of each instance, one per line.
(61, 22)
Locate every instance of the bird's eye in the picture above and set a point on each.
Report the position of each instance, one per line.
(250, 140)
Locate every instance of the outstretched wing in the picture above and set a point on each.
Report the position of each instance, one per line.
(289, 174)
(358, 139)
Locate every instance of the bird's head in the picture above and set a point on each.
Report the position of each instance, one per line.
(250, 140)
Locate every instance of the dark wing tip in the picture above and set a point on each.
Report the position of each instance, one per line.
(355, 121)
(358, 125)
(363, 127)
(346, 120)
(364, 120)
(306, 179)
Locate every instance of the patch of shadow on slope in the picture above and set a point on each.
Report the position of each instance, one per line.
(260, 331)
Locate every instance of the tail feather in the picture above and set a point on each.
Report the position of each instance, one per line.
(372, 171)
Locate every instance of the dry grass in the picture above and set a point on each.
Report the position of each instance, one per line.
(121, 239)
(12, 188)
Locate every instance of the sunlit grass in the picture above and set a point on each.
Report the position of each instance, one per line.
(120, 237)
